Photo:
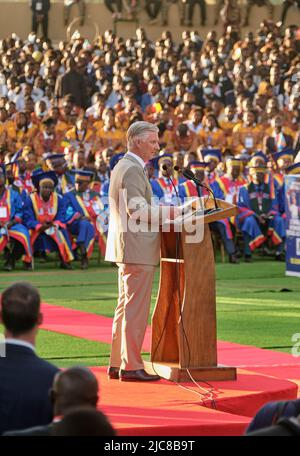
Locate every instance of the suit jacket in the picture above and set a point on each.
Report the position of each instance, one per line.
(72, 83)
(45, 6)
(37, 431)
(270, 145)
(273, 411)
(25, 380)
(124, 245)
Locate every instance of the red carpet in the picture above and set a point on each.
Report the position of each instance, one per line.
(98, 328)
(81, 324)
(164, 408)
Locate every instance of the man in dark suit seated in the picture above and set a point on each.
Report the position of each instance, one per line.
(286, 427)
(25, 379)
(84, 422)
(272, 412)
(278, 139)
(72, 388)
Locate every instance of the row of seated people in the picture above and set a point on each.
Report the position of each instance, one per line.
(42, 220)
(185, 128)
(258, 191)
(256, 221)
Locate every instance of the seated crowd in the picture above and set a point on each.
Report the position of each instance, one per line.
(226, 107)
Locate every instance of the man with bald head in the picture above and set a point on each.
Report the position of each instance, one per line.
(73, 388)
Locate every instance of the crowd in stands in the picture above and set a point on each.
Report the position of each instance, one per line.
(230, 11)
(227, 107)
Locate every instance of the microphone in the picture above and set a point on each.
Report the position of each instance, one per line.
(167, 168)
(188, 174)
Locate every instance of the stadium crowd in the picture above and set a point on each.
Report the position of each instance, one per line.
(226, 107)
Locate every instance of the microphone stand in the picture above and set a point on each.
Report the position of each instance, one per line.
(188, 174)
(165, 168)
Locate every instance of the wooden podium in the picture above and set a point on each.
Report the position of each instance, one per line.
(184, 336)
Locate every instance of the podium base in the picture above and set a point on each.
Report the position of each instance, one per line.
(172, 371)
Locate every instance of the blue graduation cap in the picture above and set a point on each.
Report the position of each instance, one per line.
(153, 162)
(196, 164)
(259, 154)
(83, 175)
(51, 156)
(38, 176)
(114, 160)
(284, 153)
(293, 169)
(211, 154)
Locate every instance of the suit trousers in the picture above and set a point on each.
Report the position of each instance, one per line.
(81, 9)
(44, 24)
(131, 315)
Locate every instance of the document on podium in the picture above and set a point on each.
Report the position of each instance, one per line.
(192, 205)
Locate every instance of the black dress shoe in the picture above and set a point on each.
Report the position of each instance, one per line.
(233, 259)
(113, 373)
(7, 266)
(137, 376)
(67, 266)
(248, 258)
(27, 266)
(84, 263)
(280, 256)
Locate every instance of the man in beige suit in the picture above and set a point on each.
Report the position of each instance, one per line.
(134, 244)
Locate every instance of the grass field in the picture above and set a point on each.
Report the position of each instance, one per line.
(256, 305)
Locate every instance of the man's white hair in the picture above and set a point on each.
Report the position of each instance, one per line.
(140, 129)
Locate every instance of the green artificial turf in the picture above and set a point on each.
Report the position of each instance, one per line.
(256, 305)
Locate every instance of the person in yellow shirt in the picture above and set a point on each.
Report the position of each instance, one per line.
(81, 136)
(4, 123)
(212, 135)
(95, 120)
(228, 123)
(17, 134)
(62, 124)
(109, 135)
(248, 136)
(123, 116)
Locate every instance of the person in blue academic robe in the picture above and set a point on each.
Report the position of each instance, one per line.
(79, 220)
(190, 189)
(65, 178)
(14, 236)
(163, 189)
(44, 216)
(259, 216)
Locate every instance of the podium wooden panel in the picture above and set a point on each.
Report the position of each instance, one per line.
(184, 333)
